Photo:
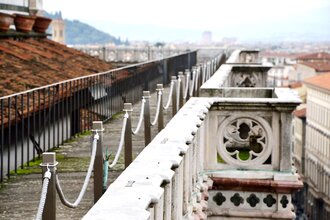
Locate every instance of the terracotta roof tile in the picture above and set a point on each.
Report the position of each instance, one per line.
(318, 66)
(22, 56)
(315, 56)
(29, 49)
(279, 54)
(47, 47)
(30, 63)
(295, 85)
(320, 81)
(300, 113)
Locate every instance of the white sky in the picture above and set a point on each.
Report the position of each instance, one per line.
(183, 14)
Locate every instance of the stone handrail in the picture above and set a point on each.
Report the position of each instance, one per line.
(230, 136)
(160, 171)
(168, 178)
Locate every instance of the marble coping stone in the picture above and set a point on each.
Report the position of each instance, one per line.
(254, 174)
(185, 123)
(140, 185)
(252, 95)
(234, 57)
(125, 203)
(220, 78)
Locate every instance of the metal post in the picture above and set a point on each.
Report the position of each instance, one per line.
(181, 91)
(215, 66)
(208, 70)
(188, 75)
(194, 75)
(198, 78)
(128, 135)
(98, 164)
(160, 89)
(104, 53)
(165, 72)
(174, 99)
(146, 116)
(49, 158)
(189, 60)
(203, 73)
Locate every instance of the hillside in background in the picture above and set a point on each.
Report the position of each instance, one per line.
(77, 32)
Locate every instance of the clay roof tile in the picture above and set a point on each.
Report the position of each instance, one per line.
(31, 63)
(318, 66)
(319, 55)
(300, 113)
(321, 81)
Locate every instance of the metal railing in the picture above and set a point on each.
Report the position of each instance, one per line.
(129, 54)
(34, 121)
(125, 141)
(172, 159)
(168, 179)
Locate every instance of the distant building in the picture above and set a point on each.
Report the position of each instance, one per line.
(21, 6)
(309, 69)
(310, 65)
(229, 40)
(299, 123)
(311, 150)
(314, 58)
(58, 29)
(207, 37)
(300, 88)
(298, 156)
(283, 66)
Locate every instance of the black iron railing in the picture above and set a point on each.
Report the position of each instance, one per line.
(37, 120)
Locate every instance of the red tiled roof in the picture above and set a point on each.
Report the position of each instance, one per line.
(295, 85)
(32, 62)
(315, 56)
(318, 66)
(300, 113)
(320, 81)
(279, 54)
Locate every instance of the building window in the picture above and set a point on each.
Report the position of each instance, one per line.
(61, 33)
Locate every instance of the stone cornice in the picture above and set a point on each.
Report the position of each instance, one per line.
(263, 185)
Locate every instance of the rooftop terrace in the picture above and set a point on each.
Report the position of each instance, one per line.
(220, 155)
(225, 153)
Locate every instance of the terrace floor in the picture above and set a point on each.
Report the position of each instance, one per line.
(20, 195)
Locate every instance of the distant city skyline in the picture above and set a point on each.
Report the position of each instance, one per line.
(156, 20)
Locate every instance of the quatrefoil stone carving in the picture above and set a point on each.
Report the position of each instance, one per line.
(237, 199)
(219, 198)
(253, 200)
(284, 201)
(269, 200)
(245, 140)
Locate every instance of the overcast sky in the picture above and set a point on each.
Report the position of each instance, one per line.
(187, 19)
